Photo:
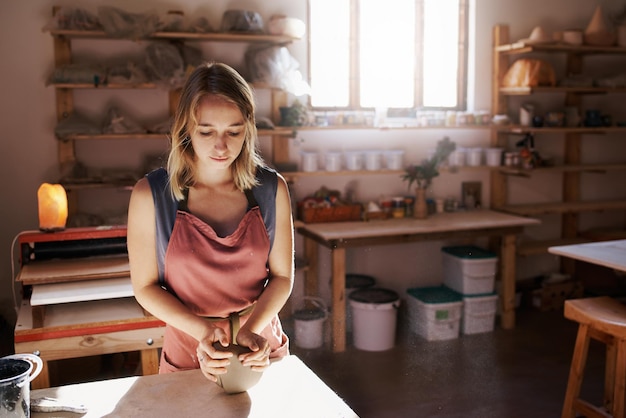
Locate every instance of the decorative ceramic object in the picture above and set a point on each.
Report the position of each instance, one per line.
(597, 32)
(573, 37)
(537, 36)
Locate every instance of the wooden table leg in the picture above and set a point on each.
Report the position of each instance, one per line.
(43, 380)
(619, 388)
(338, 315)
(507, 276)
(150, 361)
(311, 276)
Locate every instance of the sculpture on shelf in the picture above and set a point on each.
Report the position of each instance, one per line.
(423, 174)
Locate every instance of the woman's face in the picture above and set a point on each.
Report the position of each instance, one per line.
(219, 136)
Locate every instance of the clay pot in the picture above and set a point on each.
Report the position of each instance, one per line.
(238, 378)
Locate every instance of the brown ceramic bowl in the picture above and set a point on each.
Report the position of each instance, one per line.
(238, 378)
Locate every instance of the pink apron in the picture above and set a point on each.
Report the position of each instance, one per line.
(215, 277)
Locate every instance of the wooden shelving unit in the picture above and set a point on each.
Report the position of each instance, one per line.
(572, 166)
(65, 99)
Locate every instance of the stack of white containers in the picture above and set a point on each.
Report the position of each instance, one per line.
(471, 271)
(434, 312)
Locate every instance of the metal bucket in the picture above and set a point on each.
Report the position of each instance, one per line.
(16, 373)
(309, 324)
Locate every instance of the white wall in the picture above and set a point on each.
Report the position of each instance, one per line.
(27, 112)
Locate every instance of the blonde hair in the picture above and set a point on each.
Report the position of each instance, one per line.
(223, 81)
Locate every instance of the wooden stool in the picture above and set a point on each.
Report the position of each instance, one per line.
(603, 319)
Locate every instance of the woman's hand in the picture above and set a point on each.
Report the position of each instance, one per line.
(213, 362)
(259, 358)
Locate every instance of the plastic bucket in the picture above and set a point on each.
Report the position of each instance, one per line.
(16, 373)
(355, 282)
(375, 313)
(309, 324)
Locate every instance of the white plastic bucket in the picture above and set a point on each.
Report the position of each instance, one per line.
(355, 282)
(309, 324)
(375, 314)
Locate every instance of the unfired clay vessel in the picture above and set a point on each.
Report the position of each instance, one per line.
(238, 378)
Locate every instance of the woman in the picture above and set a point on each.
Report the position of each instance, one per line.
(210, 240)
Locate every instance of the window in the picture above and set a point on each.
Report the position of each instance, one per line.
(391, 54)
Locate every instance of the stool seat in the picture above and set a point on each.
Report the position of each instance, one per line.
(602, 313)
(604, 319)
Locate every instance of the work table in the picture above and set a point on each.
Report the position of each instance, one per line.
(338, 236)
(288, 388)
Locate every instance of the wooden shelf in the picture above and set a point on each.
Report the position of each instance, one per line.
(103, 86)
(525, 91)
(518, 129)
(388, 128)
(534, 209)
(152, 136)
(319, 173)
(523, 48)
(147, 86)
(296, 174)
(188, 36)
(113, 184)
(582, 168)
(65, 98)
(88, 137)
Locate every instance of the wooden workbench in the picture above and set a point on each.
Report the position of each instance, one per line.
(83, 329)
(338, 236)
(288, 388)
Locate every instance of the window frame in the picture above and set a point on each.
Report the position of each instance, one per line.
(354, 76)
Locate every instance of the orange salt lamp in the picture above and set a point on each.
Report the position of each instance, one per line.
(52, 201)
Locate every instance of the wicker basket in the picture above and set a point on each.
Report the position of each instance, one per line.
(332, 214)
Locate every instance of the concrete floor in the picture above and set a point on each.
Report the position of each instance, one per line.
(499, 374)
(504, 374)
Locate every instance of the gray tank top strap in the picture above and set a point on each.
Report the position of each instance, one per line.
(265, 196)
(166, 206)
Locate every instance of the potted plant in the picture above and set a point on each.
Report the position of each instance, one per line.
(422, 175)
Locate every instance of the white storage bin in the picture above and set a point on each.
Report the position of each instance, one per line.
(479, 313)
(469, 270)
(434, 312)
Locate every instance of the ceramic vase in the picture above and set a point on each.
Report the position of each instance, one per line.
(420, 209)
